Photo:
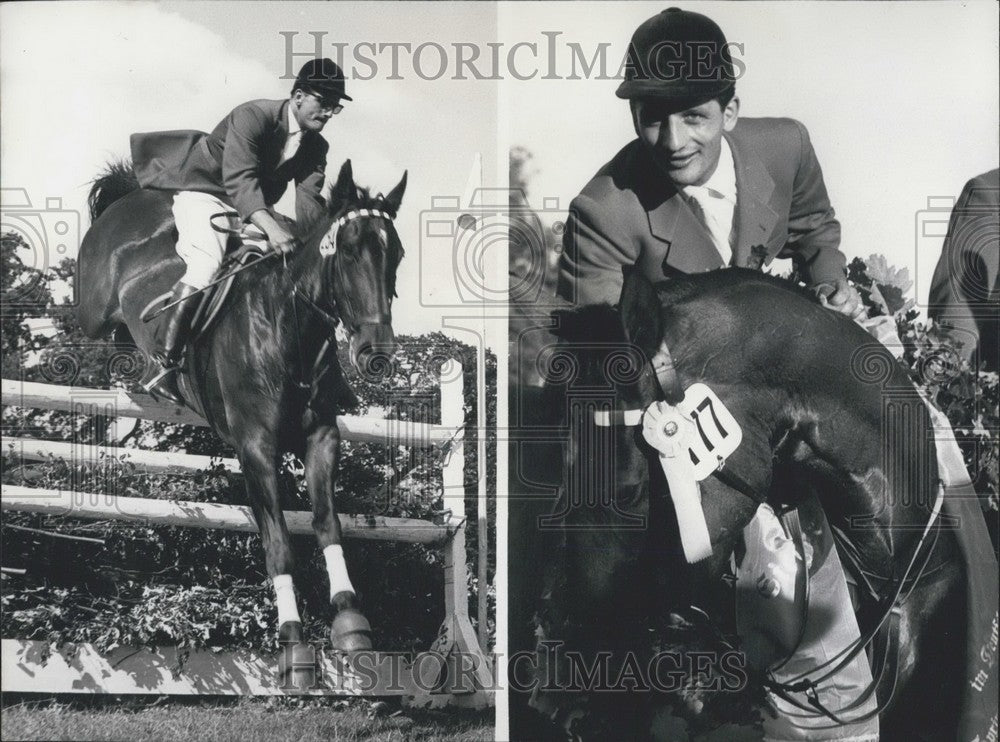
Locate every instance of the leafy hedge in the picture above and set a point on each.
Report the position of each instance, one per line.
(970, 397)
(191, 587)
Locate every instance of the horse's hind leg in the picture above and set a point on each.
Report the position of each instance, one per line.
(350, 630)
(297, 664)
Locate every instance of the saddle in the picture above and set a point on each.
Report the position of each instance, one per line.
(213, 298)
(246, 249)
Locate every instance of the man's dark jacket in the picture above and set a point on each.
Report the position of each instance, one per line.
(965, 290)
(238, 161)
(631, 214)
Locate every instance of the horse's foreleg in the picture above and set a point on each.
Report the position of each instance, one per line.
(350, 630)
(297, 667)
(260, 471)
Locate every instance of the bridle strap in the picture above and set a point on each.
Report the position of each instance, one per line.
(328, 245)
(328, 316)
(665, 373)
(373, 319)
(662, 368)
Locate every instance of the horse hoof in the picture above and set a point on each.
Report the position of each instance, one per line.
(298, 667)
(350, 631)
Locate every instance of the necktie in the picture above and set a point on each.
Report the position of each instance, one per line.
(712, 209)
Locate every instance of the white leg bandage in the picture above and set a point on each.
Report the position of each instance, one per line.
(284, 594)
(337, 569)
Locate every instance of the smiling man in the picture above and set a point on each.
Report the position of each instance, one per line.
(700, 188)
(245, 165)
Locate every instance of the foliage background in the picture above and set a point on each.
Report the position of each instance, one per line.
(190, 587)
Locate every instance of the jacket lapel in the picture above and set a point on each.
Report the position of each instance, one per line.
(755, 219)
(687, 244)
(277, 143)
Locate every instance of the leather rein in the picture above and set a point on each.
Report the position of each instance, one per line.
(883, 635)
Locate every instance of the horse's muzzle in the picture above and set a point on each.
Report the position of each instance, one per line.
(371, 350)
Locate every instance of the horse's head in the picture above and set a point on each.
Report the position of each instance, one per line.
(361, 254)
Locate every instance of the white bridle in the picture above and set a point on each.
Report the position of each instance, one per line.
(329, 244)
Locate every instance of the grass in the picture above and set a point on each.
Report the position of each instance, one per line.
(244, 719)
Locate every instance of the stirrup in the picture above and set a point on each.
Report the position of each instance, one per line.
(150, 386)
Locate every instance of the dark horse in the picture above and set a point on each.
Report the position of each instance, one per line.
(265, 374)
(810, 390)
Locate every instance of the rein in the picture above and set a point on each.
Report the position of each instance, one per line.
(883, 636)
(886, 629)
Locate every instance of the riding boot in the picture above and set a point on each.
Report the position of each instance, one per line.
(164, 384)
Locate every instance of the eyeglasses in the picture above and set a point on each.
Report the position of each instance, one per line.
(325, 105)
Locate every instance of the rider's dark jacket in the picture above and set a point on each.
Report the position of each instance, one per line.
(965, 290)
(238, 161)
(631, 214)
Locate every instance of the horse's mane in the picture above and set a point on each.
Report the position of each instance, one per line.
(117, 180)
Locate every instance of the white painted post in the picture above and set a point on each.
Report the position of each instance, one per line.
(457, 640)
(481, 511)
(453, 492)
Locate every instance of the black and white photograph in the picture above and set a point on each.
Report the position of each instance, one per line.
(247, 492)
(518, 371)
(753, 285)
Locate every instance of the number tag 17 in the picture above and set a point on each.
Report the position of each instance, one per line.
(718, 434)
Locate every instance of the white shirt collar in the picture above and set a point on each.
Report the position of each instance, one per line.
(293, 124)
(723, 180)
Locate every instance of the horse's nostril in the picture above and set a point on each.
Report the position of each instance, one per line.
(374, 365)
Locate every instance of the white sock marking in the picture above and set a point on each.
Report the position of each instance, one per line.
(337, 569)
(284, 593)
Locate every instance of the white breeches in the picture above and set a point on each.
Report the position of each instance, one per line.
(201, 247)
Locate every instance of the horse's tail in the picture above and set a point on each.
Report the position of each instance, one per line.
(117, 180)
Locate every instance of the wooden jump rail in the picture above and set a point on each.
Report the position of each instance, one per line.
(93, 506)
(455, 671)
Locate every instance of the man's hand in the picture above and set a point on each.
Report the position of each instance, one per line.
(842, 297)
(280, 239)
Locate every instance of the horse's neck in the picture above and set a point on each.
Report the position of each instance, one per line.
(307, 273)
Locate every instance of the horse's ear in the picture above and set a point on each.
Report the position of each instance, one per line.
(344, 189)
(395, 197)
(641, 312)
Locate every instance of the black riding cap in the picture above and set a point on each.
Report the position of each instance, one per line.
(677, 55)
(323, 77)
